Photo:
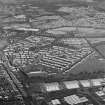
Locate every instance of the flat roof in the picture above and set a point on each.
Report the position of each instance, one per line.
(85, 83)
(49, 87)
(71, 84)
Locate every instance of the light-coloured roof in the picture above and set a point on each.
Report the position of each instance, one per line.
(37, 74)
(100, 93)
(27, 29)
(74, 99)
(55, 102)
(85, 83)
(97, 82)
(71, 84)
(52, 87)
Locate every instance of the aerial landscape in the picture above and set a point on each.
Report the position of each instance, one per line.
(52, 52)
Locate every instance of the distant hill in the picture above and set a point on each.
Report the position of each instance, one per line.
(45, 1)
(10, 1)
(61, 0)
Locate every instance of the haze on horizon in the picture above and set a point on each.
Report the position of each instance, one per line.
(16, 1)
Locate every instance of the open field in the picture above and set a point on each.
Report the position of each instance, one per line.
(90, 64)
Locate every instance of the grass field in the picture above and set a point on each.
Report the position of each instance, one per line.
(90, 64)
